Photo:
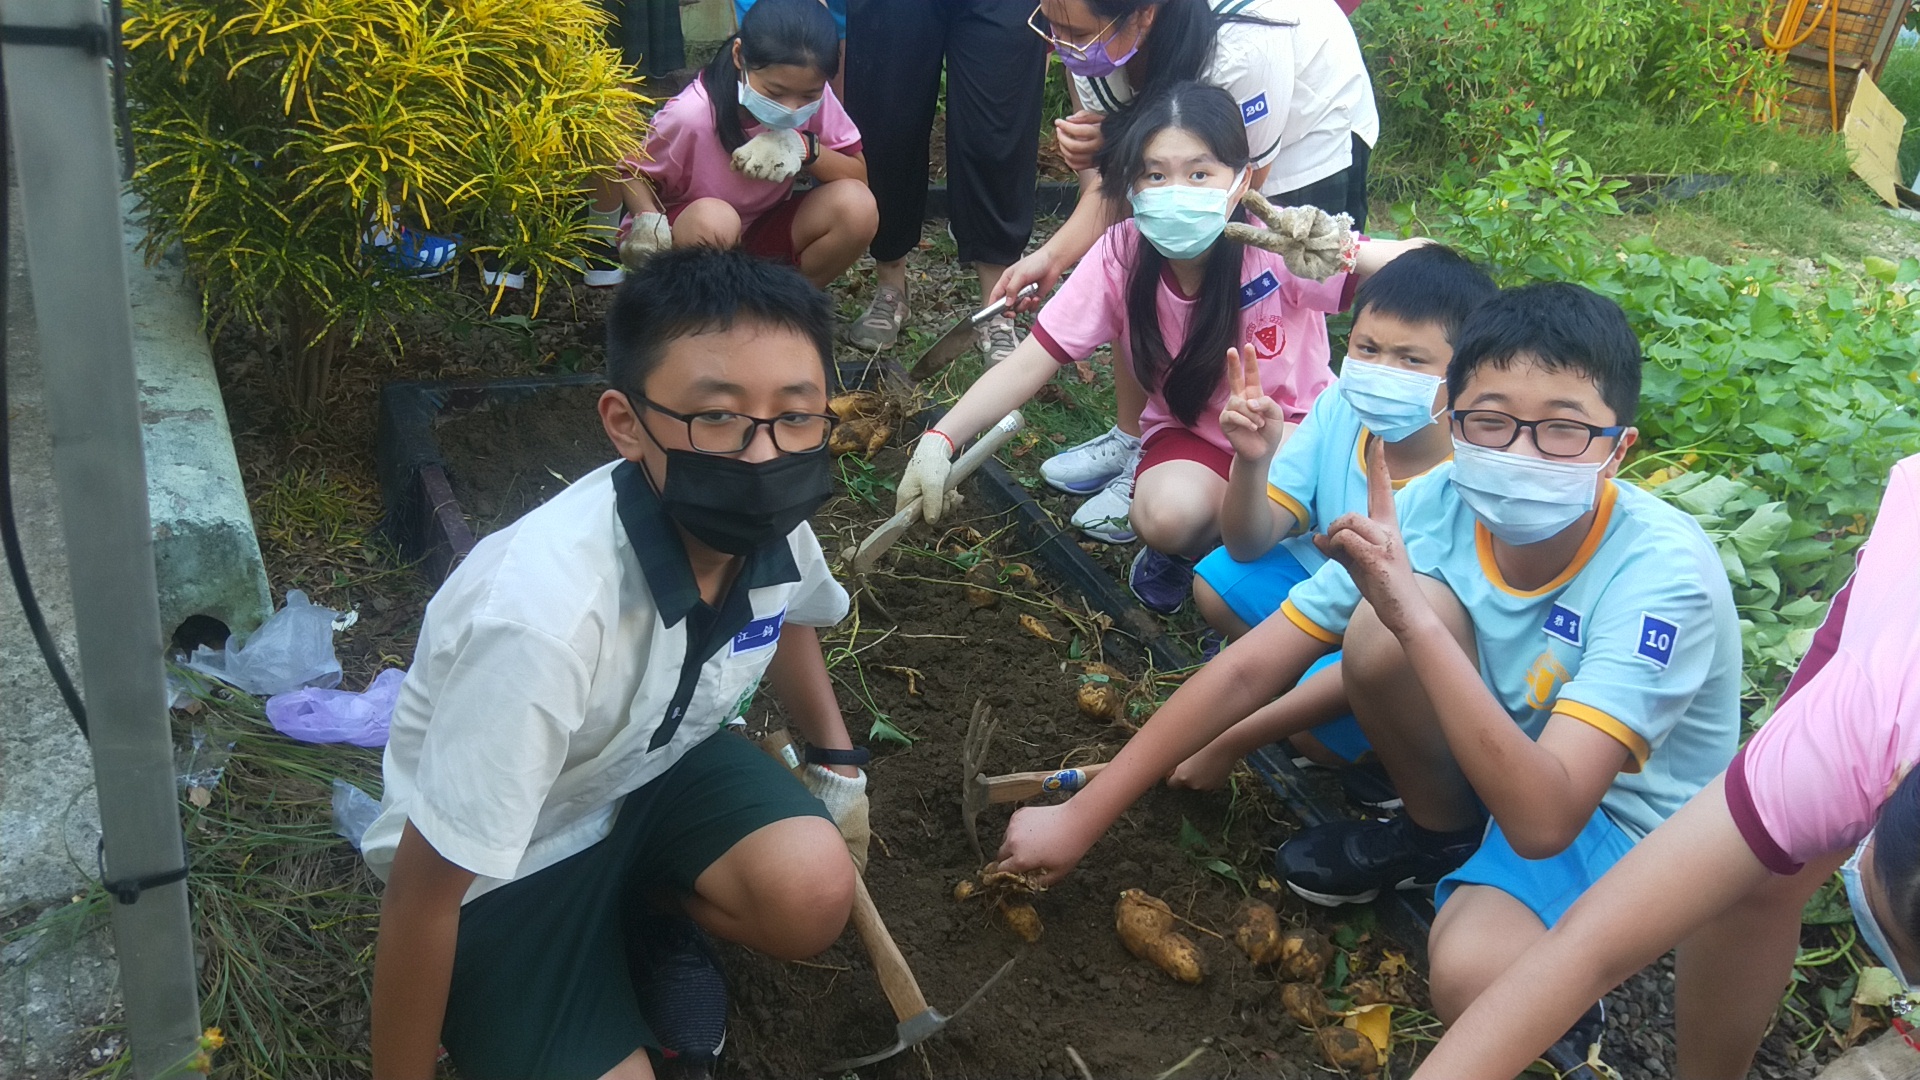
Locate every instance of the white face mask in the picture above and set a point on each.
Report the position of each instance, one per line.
(1521, 499)
(1392, 402)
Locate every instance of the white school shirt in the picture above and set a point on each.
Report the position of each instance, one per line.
(552, 676)
(1301, 84)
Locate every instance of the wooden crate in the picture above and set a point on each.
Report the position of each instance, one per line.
(1862, 41)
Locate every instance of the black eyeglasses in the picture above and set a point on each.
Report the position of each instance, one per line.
(1557, 437)
(716, 432)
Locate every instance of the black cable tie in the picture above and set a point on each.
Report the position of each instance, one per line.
(89, 37)
(128, 890)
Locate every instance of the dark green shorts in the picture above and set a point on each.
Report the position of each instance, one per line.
(542, 984)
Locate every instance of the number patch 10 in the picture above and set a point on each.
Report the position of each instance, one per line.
(1656, 639)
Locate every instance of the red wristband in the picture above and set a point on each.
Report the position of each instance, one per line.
(950, 446)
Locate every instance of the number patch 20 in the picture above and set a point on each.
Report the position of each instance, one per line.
(1657, 637)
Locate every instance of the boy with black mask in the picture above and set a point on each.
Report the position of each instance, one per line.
(565, 810)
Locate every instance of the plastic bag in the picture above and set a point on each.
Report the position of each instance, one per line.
(353, 812)
(338, 716)
(292, 649)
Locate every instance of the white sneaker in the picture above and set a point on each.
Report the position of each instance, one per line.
(1105, 517)
(1093, 464)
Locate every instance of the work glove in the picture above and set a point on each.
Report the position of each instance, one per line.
(846, 800)
(926, 478)
(646, 233)
(774, 154)
(1314, 243)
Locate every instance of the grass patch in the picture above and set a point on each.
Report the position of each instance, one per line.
(1900, 81)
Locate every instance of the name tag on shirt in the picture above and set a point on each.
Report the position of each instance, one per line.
(1253, 109)
(1258, 289)
(1564, 623)
(758, 634)
(1657, 636)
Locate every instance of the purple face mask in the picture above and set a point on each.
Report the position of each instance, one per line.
(1094, 63)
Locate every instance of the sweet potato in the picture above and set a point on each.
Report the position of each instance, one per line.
(1303, 1003)
(1145, 926)
(1349, 1051)
(1304, 955)
(1098, 698)
(1020, 917)
(1256, 929)
(964, 890)
(1368, 991)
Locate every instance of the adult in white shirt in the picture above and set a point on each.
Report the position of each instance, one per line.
(564, 801)
(1295, 69)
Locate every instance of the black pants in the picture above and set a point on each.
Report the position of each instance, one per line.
(1345, 190)
(995, 66)
(647, 33)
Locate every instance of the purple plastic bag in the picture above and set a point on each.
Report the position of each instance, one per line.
(338, 716)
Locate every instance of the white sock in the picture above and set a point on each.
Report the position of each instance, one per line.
(605, 219)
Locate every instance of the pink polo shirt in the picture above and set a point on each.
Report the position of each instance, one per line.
(684, 159)
(1284, 316)
(1812, 781)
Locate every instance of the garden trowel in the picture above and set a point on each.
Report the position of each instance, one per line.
(955, 341)
(892, 529)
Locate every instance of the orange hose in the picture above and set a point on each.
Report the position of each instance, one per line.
(1793, 31)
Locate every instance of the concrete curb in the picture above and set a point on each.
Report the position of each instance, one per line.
(206, 555)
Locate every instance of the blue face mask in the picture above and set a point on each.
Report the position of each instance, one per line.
(1181, 222)
(1870, 932)
(1521, 499)
(772, 113)
(1392, 402)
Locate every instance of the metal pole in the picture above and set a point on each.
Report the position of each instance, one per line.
(62, 124)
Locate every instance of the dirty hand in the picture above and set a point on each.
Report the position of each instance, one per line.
(1044, 841)
(1370, 547)
(1078, 137)
(926, 477)
(1314, 243)
(647, 233)
(1253, 423)
(846, 800)
(774, 154)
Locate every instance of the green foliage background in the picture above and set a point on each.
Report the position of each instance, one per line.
(275, 133)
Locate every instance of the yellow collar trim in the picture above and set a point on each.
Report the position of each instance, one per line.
(1483, 542)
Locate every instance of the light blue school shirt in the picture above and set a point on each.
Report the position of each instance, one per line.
(1320, 473)
(1638, 636)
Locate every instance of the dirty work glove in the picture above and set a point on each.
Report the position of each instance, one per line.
(645, 234)
(1314, 243)
(774, 154)
(926, 478)
(846, 799)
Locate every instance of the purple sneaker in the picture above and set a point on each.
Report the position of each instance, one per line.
(1161, 582)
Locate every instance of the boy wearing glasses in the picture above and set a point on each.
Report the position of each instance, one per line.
(565, 809)
(1543, 644)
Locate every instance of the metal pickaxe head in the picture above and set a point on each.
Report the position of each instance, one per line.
(973, 760)
(916, 1021)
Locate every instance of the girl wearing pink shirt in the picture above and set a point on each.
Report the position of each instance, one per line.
(1181, 305)
(719, 164)
(1828, 784)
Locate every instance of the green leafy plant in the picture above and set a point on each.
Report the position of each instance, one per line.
(1467, 74)
(279, 136)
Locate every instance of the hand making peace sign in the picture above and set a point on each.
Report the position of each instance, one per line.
(1370, 547)
(1253, 423)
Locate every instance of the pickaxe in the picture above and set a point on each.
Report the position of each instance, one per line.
(876, 544)
(916, 1021)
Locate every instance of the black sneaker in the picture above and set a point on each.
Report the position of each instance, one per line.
(1369, 787)
(1577, 1055)
(683, 997)
(1349, 862)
